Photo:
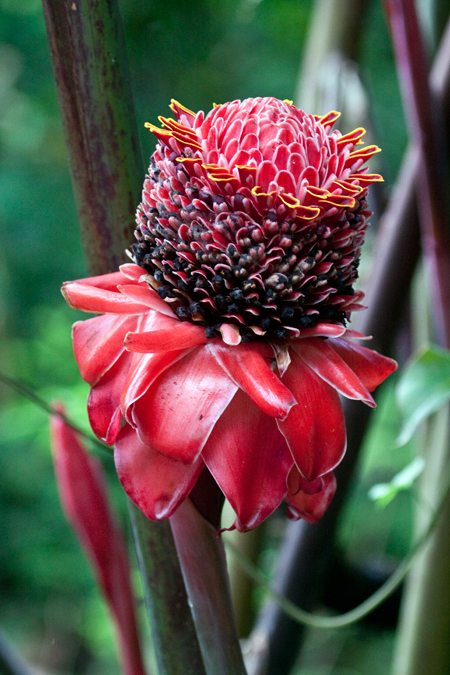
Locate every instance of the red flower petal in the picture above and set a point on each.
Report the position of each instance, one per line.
(180, 409)
(132, 271)
(98, 301)
(323, 330)
(104, 401)
(250, 461)
(154, 482)
(315, 428)
(85, 502)
(247, 365)
(311, 507)
(108, 282)
(328, 365)
(179, 336)
(144, 370)
(371, 367)
(146, 296)
(98, 343)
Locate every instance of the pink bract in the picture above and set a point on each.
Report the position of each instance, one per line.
(226, 345)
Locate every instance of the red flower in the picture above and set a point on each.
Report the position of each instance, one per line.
(226, 344)
(85, 502)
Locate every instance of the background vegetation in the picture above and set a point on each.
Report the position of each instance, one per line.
(199, 52)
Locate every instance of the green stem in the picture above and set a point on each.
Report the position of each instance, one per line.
(203, 562)
(29, 393)
(175, 642)
(423, 642)
(366, 607)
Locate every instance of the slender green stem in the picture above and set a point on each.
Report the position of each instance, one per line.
(29, 393)
(366, 607)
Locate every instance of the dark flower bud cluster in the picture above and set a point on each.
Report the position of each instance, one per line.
(255, 216)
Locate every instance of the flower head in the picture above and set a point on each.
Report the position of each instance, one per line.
(225, 344)
(254, 216)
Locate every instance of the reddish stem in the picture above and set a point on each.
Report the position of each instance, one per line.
(424, 117)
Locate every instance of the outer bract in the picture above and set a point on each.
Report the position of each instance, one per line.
(226, 344)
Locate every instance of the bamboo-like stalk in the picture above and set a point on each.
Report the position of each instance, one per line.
(203, 563)
(423, 643)
(89, 61)
(174, 639)
(425, 118)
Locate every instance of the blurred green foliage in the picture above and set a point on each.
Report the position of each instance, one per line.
(199, 52)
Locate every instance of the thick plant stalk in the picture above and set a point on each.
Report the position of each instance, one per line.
(426, 127)
(299, 576)
(89, 61)
(204, 568)
(174, 639)
(424, 637)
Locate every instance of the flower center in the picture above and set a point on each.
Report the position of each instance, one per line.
(255, 216)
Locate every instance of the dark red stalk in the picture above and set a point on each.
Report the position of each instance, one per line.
(205, 573)
(306, 553)
(172, 629)
(89, 61)
(423, 636)
(424, 116)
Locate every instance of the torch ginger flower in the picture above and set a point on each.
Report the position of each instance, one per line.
(225, 343)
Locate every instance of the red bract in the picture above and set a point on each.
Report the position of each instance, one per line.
(85, 502)
(226, 344)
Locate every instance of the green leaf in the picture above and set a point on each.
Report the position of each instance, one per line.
(423, 388)
(383, 493)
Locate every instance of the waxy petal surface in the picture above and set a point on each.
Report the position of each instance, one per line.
(327, 363)
(98, 301)
(311, 507)
(132, 271)
(323, 330)
(370, 367)
(144, 370)
(154, 482)
(98, 343)
(248, 366)
(143, 294)
(315, 428)
(179, 336)
(104, 401)
(250, 461)
(180, 409)
(108, 282)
